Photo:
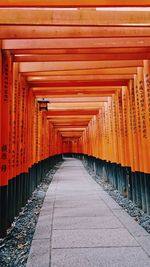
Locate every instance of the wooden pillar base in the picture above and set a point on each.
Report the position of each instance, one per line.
(3, 210)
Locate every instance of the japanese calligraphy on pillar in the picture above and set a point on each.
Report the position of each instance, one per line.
(5, 118)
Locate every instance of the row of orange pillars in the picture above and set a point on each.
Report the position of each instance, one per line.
(113, 141)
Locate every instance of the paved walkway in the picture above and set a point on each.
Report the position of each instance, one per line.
(80, 225)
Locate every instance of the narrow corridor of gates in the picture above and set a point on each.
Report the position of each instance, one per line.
(75, 81)
(80, 225)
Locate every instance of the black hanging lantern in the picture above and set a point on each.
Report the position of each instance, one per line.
(43, 104)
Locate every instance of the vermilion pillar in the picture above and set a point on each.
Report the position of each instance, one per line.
(5, 153)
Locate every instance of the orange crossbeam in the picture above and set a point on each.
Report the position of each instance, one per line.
(81, 57)
(61, 51)
(82, 83)
(79, 65)
(79, 17)
(76, 43)
(129, 70)
(42, 32)
(96, 77)
(74, 3)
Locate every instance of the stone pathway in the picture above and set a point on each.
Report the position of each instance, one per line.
(80, 225)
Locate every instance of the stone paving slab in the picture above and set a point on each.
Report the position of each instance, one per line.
(144, 242)
(86, 222)
(80, 225)
(43, 227)
(74, 196)
(100, 257)
(92, 238)
(91, 211)
(76, 203)
(111, 203)
(47, 207)
(39, 253)
(130, 224)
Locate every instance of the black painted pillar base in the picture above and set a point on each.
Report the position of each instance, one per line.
(129, 183)
(143, 191)
(3, 210)
(17, 197)
(147, 192)
(133, 187)
(138, 189)
(19, 189)
(11, 201)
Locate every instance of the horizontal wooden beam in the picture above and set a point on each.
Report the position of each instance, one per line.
(76, 92)
(103, 82)
(77, 100)
(71, 137)
(78, 17)
(96, 77)
(72, 121)
(76, 43)
(45, 32)
(61, 51)
(74, 111)
(68, 127)
(87, 94)
(67, 115)
(68, 139)
(74, 3)
(68, 124)
(70, 117)
(78, 65)
(129, 70)
(69, 131)
(63, 129)
(70, 106)
(71, 112)
(72, 134)
(75, 88)
(81, 57)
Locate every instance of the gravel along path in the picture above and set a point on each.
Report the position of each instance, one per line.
(142, 218)
(14, 248)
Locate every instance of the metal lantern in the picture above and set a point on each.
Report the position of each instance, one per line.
(43, 104)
